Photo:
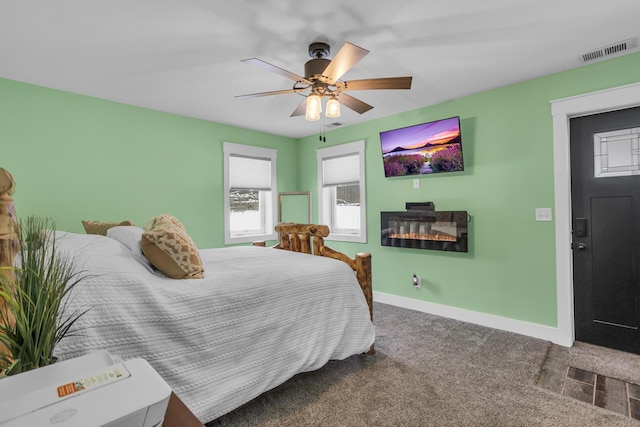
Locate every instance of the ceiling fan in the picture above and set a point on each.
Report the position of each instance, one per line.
(322, 78)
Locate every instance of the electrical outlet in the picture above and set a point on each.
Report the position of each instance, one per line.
(417, 281)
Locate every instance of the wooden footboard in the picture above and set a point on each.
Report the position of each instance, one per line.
(309, 239)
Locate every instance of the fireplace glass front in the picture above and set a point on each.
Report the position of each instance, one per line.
(418, 229)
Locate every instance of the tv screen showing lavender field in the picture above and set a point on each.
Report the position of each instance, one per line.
(427, 148)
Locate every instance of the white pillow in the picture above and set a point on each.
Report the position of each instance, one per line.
(130, 236)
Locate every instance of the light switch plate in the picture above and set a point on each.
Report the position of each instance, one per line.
(543, 214)
(416, 184)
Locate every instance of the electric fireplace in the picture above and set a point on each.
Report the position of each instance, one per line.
(422, 228)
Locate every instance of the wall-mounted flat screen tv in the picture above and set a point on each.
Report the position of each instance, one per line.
(428, 148)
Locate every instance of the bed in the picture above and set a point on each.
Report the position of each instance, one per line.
(258, 317)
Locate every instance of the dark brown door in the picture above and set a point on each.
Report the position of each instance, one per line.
(605, 192)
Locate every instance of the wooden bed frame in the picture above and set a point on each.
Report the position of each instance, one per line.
(309, 239)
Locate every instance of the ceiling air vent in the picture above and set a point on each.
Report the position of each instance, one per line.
(334, 125)
(619, 48)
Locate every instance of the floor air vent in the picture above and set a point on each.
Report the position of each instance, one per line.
(619, 48)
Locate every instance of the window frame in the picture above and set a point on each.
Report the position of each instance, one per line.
(249, 151)
(326, 195)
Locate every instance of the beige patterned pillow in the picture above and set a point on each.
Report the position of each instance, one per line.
(101, 227)
(165, 219)
(169, 248)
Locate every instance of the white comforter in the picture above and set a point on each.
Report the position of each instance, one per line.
(257, 318)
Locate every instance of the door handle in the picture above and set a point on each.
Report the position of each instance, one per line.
(582, 246)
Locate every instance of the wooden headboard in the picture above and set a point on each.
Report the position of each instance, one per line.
(309, 239)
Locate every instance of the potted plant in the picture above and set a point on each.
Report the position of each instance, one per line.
(35, 294)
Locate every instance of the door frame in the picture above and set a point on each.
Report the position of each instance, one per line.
(562, 111)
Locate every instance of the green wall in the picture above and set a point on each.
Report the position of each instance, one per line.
(507, 138)
(76, 157)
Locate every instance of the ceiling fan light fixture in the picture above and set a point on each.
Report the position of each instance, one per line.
(323, 78)
(333, 107)
(314, 107)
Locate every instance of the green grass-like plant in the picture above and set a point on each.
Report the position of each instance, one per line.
(36, 294)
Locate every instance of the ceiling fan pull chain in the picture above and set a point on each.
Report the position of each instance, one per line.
(321, 136)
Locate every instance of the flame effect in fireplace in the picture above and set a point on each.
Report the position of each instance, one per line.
(441, 231)
(441, 237)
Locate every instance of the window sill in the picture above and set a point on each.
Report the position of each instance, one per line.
(249, 238)
(356, 238)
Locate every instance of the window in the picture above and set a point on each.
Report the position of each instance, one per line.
(341, 189)
(249, 193)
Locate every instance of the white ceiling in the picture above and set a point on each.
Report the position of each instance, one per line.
(183, 56)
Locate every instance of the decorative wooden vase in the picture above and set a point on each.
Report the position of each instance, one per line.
(8, 238)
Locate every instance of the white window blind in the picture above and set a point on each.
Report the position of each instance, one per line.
(249, 173)
(342, 170)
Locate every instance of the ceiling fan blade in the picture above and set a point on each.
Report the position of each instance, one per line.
(348, 55)
(354, 103)
(270, 67)
(382, 83)
(275, 92)
(301, 109)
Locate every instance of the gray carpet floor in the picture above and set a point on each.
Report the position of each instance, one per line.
(432, 371)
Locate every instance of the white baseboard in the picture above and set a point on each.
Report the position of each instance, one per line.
(503, 323)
